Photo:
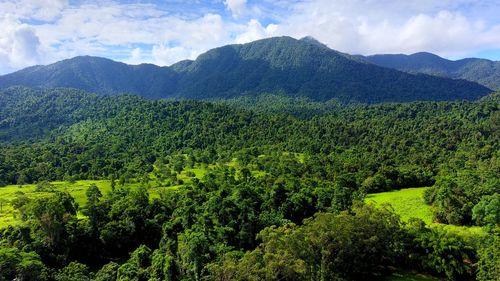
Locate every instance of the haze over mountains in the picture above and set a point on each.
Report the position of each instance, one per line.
(276, 65)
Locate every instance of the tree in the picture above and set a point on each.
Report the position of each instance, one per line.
(16, 264)
(50, 219)
(74, 271)
(487, 211)
(94, 210)
(108, 272)
(441, 252)
(137, 267)
(194, 252)
(489, 255)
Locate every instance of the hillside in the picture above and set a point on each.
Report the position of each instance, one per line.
(482, 71)
(276, 65)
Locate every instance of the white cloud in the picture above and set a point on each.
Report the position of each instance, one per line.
(24, 46)
(237, 7)
(254, 31)
(137, 56)
(19, 45)
(44, 31)
(367, 27)
(46, 10)
(163, 55)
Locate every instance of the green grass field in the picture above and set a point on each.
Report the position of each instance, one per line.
(408, 203)
(76, 189)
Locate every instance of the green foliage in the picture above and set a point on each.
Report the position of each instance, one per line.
(327, 247)
(108, 272)
(440, 251)
(487, 211)
(127, 135)
(50, 215)
(16, 264)
(73, 272)
(136, 267)
(456, 194)
(489, 255)
(44, 186)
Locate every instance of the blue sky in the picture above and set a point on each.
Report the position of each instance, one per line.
(163, 32)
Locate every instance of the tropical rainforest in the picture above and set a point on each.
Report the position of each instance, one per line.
(281, 196)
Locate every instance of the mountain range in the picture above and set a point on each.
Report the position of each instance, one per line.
(282, 65)
(482, 71)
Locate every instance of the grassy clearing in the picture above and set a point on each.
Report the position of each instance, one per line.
(408, 203)
(78, 189)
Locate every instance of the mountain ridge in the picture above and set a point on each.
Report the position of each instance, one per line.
(483, 71)
(286, 65)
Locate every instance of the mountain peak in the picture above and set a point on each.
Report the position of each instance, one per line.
(312, 40)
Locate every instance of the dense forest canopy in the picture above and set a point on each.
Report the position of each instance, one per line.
(288, 207)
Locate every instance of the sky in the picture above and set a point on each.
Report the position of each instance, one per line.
(164, 32)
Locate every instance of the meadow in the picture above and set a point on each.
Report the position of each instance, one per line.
(77, 189)
(408, 203)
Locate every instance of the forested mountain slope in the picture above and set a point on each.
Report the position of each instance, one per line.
(276, 65)
(482, 71)
(98, 75)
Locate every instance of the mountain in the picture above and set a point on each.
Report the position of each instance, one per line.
(482, 71)
(99, 75)
(276, 65)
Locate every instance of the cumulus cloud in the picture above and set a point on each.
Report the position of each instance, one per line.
(19, 45)
(99, 30)
(254, 31)
(393, 26)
